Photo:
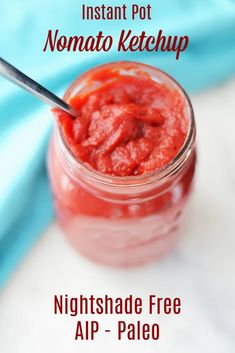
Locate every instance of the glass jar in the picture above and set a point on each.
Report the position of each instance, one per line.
(121, 221)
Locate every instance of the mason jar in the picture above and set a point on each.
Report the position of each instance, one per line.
(121, 221)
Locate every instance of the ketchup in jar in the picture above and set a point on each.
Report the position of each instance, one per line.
(121, 171)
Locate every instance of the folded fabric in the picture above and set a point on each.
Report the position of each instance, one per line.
(25, 124)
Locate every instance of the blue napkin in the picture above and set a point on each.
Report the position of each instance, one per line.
(25, 123)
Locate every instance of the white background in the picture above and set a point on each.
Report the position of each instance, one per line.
(201, 270)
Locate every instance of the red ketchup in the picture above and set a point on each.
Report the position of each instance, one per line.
(122, 170)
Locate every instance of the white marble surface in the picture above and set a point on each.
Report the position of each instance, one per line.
(201, 270)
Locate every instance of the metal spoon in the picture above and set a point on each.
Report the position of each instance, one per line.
(13, 74)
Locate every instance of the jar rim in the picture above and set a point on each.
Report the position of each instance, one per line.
(134, 180)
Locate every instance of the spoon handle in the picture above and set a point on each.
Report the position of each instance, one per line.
(16, 76)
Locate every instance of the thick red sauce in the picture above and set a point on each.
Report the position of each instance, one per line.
(130, 125)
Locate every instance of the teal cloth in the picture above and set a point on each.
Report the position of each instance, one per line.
(25, 123)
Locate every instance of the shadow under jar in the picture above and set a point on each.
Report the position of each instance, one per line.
(121, 220)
